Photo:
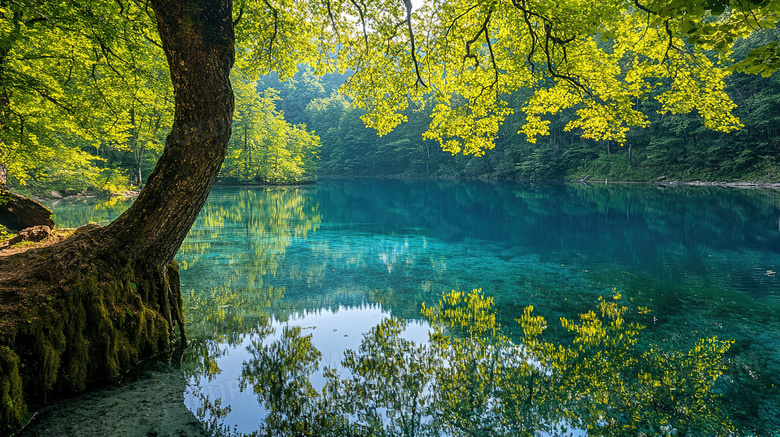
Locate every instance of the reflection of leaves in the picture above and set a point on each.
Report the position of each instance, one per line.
(243, 235)
(218, 317)
(247, 231)
(72, 214)
(212, 414)
(603, 381)
(388, 390)
(280, 373)
(475, 382)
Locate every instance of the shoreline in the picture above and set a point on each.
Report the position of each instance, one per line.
(587, 180)
(676, 183)
(774, 185)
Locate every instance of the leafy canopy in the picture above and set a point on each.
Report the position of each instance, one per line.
(82, 81)
(78, 82)
(599, 57)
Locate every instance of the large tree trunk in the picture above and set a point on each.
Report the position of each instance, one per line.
(88, 308)
(199, 43)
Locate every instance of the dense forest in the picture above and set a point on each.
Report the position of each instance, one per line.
(293, 130)
(677, 146)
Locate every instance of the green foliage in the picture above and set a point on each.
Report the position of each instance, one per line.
(472, 379)
(89, 91)
(596, 59)
(678, 146)
(264, 147)
(82, 88)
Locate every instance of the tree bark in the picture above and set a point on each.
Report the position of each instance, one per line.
(198, 40)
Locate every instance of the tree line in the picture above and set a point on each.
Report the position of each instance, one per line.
(675, 146)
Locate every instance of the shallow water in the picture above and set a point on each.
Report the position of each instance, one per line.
(336, 258)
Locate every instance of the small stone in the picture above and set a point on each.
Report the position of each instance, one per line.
(34, 234)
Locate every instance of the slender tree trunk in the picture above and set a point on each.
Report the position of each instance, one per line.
(139, 174)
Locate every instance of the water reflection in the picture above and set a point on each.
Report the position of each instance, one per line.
(75, 212)
(470, 379)
(700, 259)
(229, 380)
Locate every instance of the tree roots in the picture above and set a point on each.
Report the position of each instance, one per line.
(75, 313)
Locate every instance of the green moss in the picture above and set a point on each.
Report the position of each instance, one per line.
(13, 410)
(73, 335)
(5, 233)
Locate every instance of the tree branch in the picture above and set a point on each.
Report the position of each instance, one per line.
(408, 4)
(240, 14)
(362, 21)
(640, 6)
(276, 30)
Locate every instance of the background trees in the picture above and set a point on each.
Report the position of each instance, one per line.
(82, 86)
(678, 146)
(265, 147)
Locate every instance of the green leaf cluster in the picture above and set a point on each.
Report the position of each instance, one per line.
(264, 147)
(85, 91)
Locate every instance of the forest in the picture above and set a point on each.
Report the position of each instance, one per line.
(215, 117)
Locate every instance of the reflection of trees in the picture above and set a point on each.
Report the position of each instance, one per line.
(560, 217)
(252, 229)
(74, 213)
(471, 379)
(244, 234)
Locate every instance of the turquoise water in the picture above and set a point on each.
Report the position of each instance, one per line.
(336, 258)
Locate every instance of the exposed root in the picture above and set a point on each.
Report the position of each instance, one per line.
(74, 313)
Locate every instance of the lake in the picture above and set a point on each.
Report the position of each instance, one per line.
(263, 268)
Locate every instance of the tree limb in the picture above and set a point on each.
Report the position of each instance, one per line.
(408, 4)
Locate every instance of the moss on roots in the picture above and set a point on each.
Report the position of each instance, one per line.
(92, 325)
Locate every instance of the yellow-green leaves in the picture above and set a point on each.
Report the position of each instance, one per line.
(600, 58)
(78, 85)
(601, 380)
(472, 312)
(264, 147)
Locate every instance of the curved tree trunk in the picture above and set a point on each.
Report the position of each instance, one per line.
(199, 43)
(88, 308)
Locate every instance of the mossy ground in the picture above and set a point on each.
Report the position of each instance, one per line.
(68, 319)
